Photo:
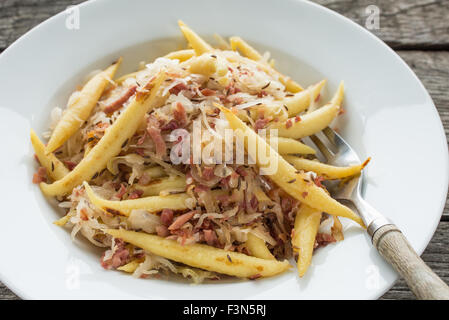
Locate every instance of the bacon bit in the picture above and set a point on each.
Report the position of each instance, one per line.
(167, 217)
(208, 92)
(208, 173)
(254, 277)
(286, 204)
(318, 97)
(83, 214)
(119, 258)
(70, 165)
(223, 198)
(289, 123)
(323, 239)
(155, 133)
(262, 94)
(366, 162)
(261, 123)
(241, 171)
(140, 151)
(304, 194)
(121, 191)
(145, 179)
(117, 104)
(180, 114)
(237, 101)
(341, 111)
(135, 194)
(142, 92)
(170, 126)
(40, 175)
(178, 88)
(254, 202)
(318, 181)
(113, 211)
(36, 158)
(179, 222)
(297, 118)
(162, 231)
(201, 188)
(210, 237)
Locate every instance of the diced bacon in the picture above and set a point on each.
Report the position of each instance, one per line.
(254, 202)
(318, 181)
(170, 126)
(178, 88)
(323, 239)
(179, 222)
(286, 204)
(145, 179)
(155, 133)
(201, 188)
(261, 123)
(162, 231)
(241, 171)
(289, 123)
(210, 237)
(121, 192)
(224, 199)
(208, 92)
(135, 194)
(297, 118)
(167, 217)
(40, 175)
(208, 173)
(262, 94)
(37, 159)
(318, 97)
(140, 151)
(70, 165)
(180, 114)
(118, 103)
(83, 214)
(119, 258)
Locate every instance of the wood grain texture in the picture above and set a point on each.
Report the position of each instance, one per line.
(420, 24)
(404, 24)
(17, 17)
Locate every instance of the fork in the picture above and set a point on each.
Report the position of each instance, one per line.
(385, 236)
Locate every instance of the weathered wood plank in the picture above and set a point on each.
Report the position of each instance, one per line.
(403, 24)
(417, 24)
(17, 17)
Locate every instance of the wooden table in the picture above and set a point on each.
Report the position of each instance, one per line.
(418, 30)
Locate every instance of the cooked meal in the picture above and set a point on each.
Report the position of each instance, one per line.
(195, 165)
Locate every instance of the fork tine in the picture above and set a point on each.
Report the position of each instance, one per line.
(327, 153)
(330, 134)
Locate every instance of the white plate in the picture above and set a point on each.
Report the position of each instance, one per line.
(390, 117)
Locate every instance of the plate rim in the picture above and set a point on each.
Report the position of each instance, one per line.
(22, 294)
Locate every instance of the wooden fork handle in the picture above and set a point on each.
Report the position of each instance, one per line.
(395, 248)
